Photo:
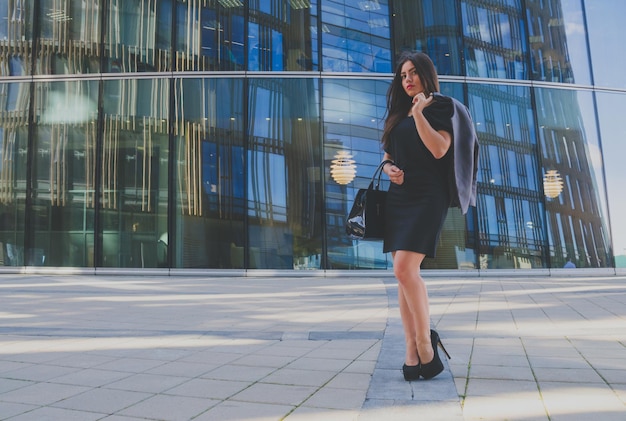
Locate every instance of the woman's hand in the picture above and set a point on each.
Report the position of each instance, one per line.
(420, 101)
(396, 175)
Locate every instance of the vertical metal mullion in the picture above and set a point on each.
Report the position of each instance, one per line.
(246, 138)
(171, 191)
(320, 89)
(98, 145)
(29, 233)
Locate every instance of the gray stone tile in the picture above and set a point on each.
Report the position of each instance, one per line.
(275, 394)
(211, 357)
(181, 369)
(361, 366)
(572, 375)
(11, 409)
(498, 372)
(208, 388)
(91, 377)
(7, 385)
(8, 365)
(131, 365)
(613, 376)
(49, 413)
(304, 413)
(42, 393)
(298, 377)
(238, 411)
(86, 360)
(322, 364)
(398, 410)
(500, 360)
(148, 383)
(256, 360)
(502, 388)
(576, 401)
(106, 401)
(167, 407)
(39, 372)
(331, 398)
(350, 381)
(499, 408)
(239, 373)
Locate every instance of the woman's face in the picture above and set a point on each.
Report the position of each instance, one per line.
(411, 82)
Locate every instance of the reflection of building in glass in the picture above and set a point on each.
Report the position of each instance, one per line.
(510, 213)
(200, 133)
(575, 217)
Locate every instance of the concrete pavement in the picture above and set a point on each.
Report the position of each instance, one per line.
(307, 348)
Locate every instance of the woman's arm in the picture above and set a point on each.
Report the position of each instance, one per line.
(437, 141)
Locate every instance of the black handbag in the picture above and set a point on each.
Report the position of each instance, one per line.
(366, 220)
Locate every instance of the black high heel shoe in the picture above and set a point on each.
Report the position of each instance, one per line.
(411, 372)
(431, 369)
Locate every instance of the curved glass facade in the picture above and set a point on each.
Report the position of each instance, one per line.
(200, 133)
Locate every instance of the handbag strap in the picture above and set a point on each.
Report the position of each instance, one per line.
(379, 173)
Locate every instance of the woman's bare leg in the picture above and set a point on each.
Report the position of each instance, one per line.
(414, 308)
(410, 332)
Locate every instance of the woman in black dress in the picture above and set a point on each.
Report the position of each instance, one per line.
(417, 142)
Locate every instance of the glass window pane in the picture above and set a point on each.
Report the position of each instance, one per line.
(495, 40)
(16, 18)
(512, 219)
(209, 35)
(613, 132)
(283, 164)
(69, 37)
(605, 25)
(209, 174)
(64, 167)
(138, 36)
(558, 45)
(356, 36)
(354, 112)
(134, 187)
(282, 35)
(15, 100)
(430, 26)
(573, 159)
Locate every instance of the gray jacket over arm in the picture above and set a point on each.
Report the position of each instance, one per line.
(464, 170)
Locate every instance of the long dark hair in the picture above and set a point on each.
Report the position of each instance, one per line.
(398, 102)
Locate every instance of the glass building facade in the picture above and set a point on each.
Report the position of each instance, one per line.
(200, 134)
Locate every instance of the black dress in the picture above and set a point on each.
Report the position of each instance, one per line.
(417, 209)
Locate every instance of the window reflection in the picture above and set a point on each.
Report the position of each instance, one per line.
(64, 168)
(15, 101)
(495, 41)
(137, 35)
(356, 36)
(610, 112)
(134, 183)
(280, 35)
(209, 174)
(69, 37)
(284, 197)
(15, 37)
(605, 26)
(510, 205)
(577, 216)
(354, 112)
(430, 26)
(558, 47)
(209, 35)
